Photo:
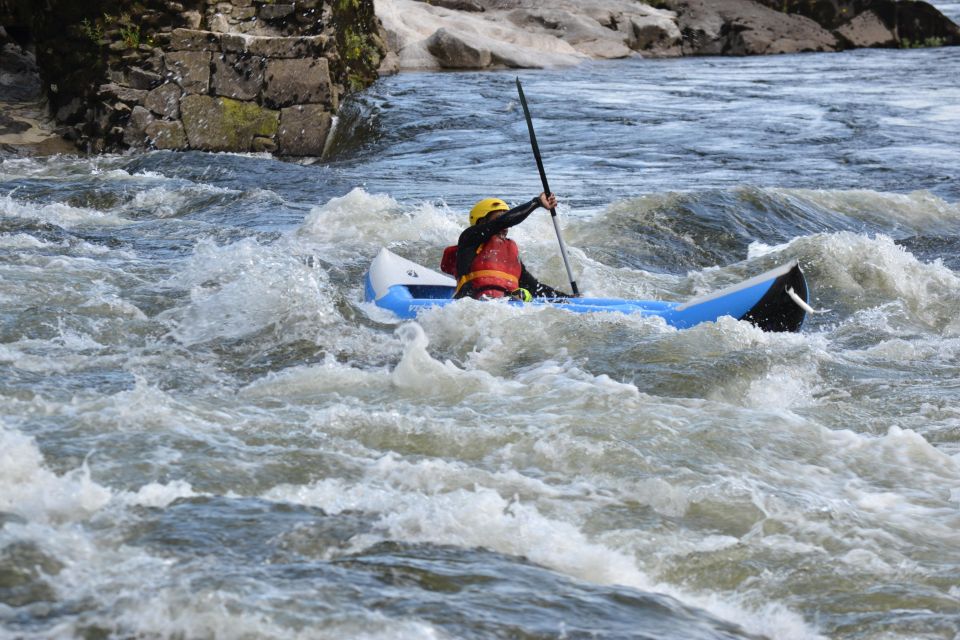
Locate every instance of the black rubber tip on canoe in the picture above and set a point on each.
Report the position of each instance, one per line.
(776, 310)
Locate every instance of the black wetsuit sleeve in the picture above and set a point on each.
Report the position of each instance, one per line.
(536, 288)
(480, 233)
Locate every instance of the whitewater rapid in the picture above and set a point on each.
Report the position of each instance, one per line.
(206, 432)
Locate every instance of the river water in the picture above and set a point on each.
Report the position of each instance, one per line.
(205, 432)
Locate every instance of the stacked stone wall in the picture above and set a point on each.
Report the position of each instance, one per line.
(231, 92)
(211, 75)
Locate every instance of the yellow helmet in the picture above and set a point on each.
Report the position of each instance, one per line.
(486, 206)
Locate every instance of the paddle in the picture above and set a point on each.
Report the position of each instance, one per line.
(546, 187)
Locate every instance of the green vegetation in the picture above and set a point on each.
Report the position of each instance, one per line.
(360, 49)
(130, 35)
(932, 41)
(92, 31)
(360, 52)
(96, 30)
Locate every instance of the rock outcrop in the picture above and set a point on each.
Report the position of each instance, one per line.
(478, 34)
(523, 33)
(744, 27)
(749, 27)
(212, 75)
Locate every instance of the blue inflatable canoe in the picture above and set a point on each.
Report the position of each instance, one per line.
(774, 301)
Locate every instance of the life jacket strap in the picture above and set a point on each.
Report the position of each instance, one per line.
(488, 273)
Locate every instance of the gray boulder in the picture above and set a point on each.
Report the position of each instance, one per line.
(655, 35)
(583, 32)
(743, 27)
(456, 51)
(458, 5)
(867, 30)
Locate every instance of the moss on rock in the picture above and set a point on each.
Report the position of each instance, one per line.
(224, 124)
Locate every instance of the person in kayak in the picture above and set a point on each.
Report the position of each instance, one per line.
(486, 263)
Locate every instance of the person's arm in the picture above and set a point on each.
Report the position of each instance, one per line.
(480, 233)
(536, 288)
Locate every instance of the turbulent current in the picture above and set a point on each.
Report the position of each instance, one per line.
(206, 432)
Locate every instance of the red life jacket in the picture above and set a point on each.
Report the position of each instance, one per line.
(494, 271)
(448, 264)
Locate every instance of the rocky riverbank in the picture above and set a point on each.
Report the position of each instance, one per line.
(479, 34)
(269, 75)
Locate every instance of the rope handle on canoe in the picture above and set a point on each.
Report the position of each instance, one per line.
(802, 303)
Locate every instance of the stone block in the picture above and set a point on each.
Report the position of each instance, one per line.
(303, 130)
(155, 61)
(219, 23)
(275, 11)
(299, 81)
(223, 124)
(237, 76)
(275, 47)
(142, 79)
(190, 70)
(134, 134)
(192, 20)
(134, 96)
(166, 135)
(193, 40)
(165, 101)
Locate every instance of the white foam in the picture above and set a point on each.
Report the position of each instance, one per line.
(360, 223)
(60, 214)
(245, 287)
(29, 490)
(784, 386)
(918, 211)
(419, 373)
(433, 502)
(166, 201)
(308, 381)
(758, 249)
(158, 495)
(864, 267)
